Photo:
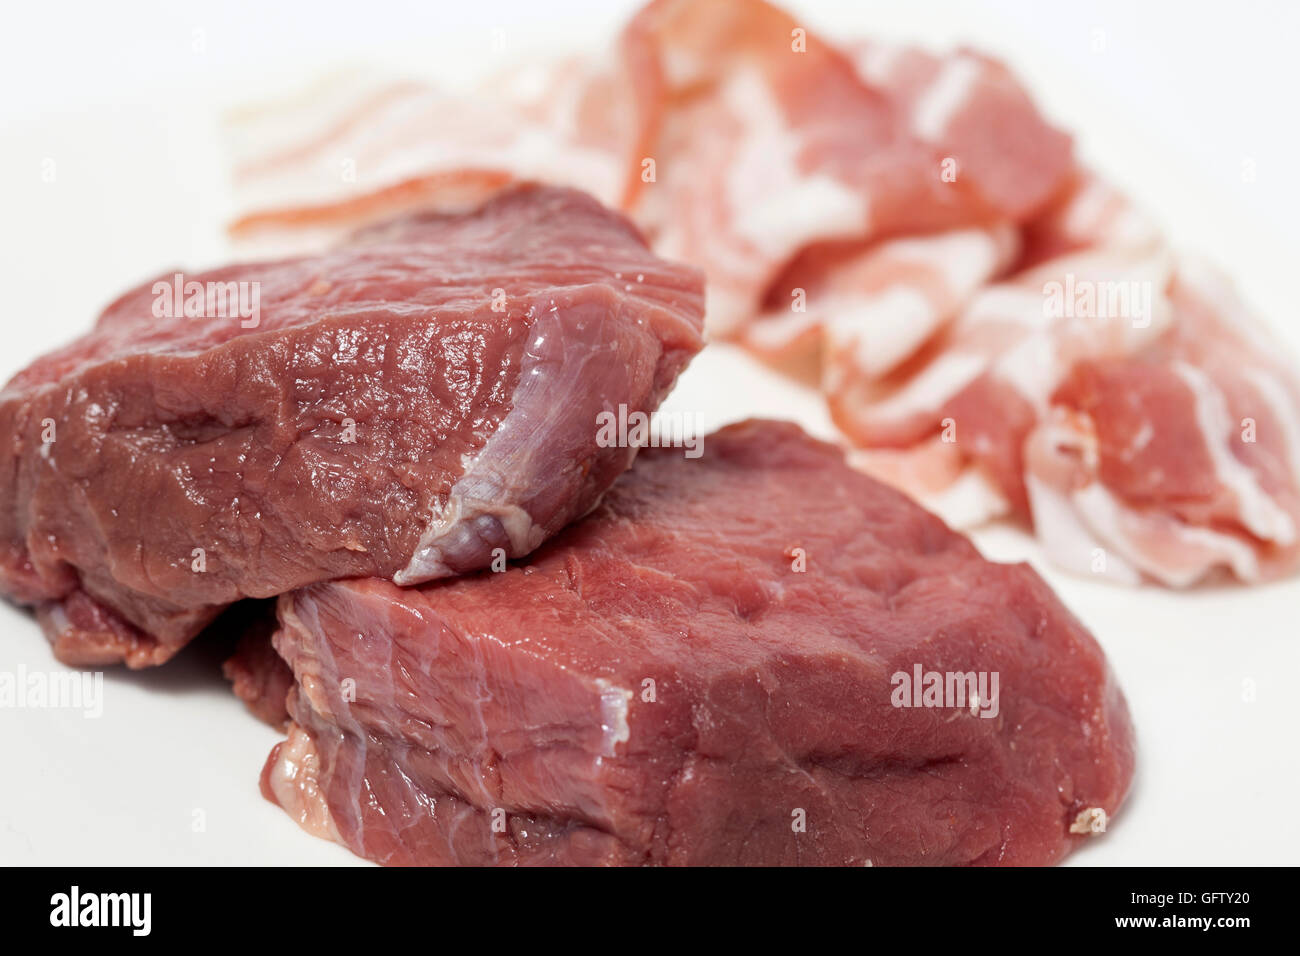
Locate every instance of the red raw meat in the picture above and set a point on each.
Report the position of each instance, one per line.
(257, 674)
(409, 403)
(679, 678)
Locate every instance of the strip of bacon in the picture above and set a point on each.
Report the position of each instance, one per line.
(1179, 464)
(1119, 397)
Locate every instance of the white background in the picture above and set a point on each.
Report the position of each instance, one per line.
(1189, 106)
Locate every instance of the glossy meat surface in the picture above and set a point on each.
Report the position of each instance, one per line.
(406, 404)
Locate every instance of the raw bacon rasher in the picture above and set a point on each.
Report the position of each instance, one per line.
(1118, 396)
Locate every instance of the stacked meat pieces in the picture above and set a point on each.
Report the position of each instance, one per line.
(703, 669)
(409, 405)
